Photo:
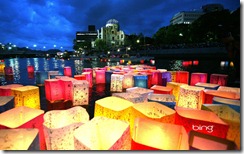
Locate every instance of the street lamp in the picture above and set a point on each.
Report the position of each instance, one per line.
(128, 48)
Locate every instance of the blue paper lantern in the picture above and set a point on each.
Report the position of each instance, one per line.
(140, 81)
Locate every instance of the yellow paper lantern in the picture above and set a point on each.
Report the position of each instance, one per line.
(153, 135)
(59, 126)
(80, 92)
(102, 133)
(190, 97)
(2, 69)
(176, 88)
(19, 139)
(28, 96)
(113, 107)
(229, 116)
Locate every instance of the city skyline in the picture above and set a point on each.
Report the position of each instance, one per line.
(53, 24)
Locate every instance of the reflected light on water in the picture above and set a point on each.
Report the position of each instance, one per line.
(36, 64)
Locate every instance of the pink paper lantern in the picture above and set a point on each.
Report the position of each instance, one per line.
(53, 90)
(67, 87)
(182, 77)
(30, 69)
(100, 76)
(89, 78)
(220, 79)
(198, 77)
(8, 70)
(156, 77)
(5, 90)
(67, 71)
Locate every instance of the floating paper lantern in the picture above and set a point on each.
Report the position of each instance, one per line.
(164, 99)
(220, 79)
(80, 77)
(9, 78)
(140, 81)
(89, 78)
(30, 75)
(139, 90)
(195, 62)
(108, 77)
(152, 110)
(173, 76)
(232, 103)
(2, 69)
(166, 77)
(30, 69)
(209, 94)
(6, 103)
(113, 107)
(53, 90)
(191, 97)
(210, 86)
(149, 79)
(128, 81)
(67, 71)
(67, 87)
(176, 88)
(201, 141)
(182, 77)
(59, 127)
(156, 77)
(24, 117)
(201, 121)
(80, 92)
(8, 70)
(103, 133)
(100, 76)
(41, 76)
(231, 117)
(198, 77)
(161, 89)
(153, 135)
(230, 89)
(116, 84)
(132, 97)
(5, 90)
(19, 139)
(28, 96)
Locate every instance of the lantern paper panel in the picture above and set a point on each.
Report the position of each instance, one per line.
(173, 76)
(19, 139)
(80, 77)
(191, 97)
(30, 69)
(53, 90)
(132, 97)
(5, 90)
(166, 77)
(6, 103)
(229, 116)
(176, 88)
(102, 133)
(113, 107)
(149, 81)
(128, 81)
(157, 89)
(198, 77)
(140, 81)
(108, 76)
(201, 141)
(116, 84)
(153, 135)
(67, 71)
(100, 76)
(2, 69)
(156, 77)
(229, 89)
(164, 99)
(232, 103)
(210, 86)
(89, 78)
(8, 70)
(220, 79)
(41, 76)
(80, 91)
(139, 90)
(52, 74)
(28, 96)
(152, 110)
(24, 117)
(58, 105)
(59, 127)
(67, 87)
(210, 94)
(182, 77)
(201, 121)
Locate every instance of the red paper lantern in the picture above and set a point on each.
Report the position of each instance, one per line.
(220, 79)
(5, 90)
(157, 77)
(198, 77)
(53, 90)
(161, 89)
(8, 70)
(182, 77)
(195, 62)
(67, 71)
(100, 76)
(30, 69)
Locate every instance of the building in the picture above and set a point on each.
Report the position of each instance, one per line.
(187, 17)
(87, 38)
(111, 34)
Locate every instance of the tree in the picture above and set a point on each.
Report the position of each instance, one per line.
(100, 45)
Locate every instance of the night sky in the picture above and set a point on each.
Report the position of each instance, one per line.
(55, 22)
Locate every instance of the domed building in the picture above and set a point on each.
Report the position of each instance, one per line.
(112, 34)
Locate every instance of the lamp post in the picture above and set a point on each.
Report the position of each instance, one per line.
(127, 49)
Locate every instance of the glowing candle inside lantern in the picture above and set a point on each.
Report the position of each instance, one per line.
(198, 77)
